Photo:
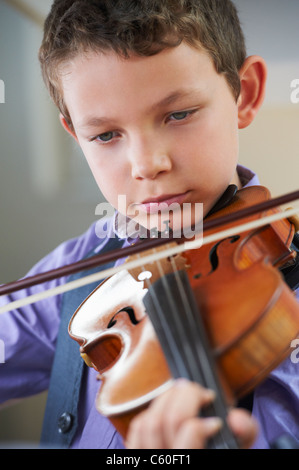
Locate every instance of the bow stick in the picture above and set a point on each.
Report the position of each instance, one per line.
(181, 246)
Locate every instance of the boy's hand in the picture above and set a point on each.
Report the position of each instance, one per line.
(171, 421)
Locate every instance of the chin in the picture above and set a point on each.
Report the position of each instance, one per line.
(187, 222)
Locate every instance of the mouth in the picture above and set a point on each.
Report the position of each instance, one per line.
(163, 202)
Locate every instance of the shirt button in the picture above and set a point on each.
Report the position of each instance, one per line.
(65, 422)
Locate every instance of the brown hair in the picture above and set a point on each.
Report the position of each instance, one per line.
(142, 27)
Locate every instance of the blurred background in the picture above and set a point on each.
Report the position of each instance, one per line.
(47, 194)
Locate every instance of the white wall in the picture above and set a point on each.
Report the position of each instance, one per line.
(46, 194)
(271, 144)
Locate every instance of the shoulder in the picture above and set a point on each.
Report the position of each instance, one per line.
(76, 248)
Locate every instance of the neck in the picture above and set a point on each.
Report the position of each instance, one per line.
(236, 180)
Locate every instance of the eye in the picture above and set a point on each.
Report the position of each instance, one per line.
(104, 138)
(179, 116)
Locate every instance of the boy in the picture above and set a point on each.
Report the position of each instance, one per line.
(154, 92)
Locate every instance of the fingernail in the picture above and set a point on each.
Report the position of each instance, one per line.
(181, 382)
(210, 394)
(213, 424)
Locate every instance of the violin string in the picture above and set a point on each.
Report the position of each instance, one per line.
(180, 328)
(202, 350)
(165, 337)
(176, 326)
(190, 325)
(176, 342)
(189, 321)
(194, 359)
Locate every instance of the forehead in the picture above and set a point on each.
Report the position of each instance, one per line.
(109, 79)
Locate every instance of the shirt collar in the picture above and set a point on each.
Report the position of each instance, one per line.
(247, 177)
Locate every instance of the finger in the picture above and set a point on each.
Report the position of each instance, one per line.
(195, 433)
(192, 395)
(244, 426)
(157, 426)
(183, 402)
(142, 435)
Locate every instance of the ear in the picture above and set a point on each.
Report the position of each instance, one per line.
(253, 77)
(67, 127)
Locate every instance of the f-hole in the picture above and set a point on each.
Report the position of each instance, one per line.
(131, 315)
(213, 255)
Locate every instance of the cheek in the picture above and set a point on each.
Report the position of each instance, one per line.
(219, 143)
(107, 175)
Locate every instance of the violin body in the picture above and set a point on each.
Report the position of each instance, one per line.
(250, 316)
(123, 349)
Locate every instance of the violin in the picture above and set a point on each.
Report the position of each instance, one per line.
(220, 314)
(209, 356)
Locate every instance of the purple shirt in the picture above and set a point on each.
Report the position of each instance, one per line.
(29, 336)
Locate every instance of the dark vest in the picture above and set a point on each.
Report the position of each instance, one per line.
(60, 421)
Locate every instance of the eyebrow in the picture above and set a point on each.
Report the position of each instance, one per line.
(168, 100)
(94, 122)
(172, 98)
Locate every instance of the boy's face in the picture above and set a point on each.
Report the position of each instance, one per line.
(154, 128)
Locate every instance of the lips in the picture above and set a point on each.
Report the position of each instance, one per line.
(159, 203)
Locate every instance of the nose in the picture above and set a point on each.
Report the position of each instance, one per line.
(149, 159)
